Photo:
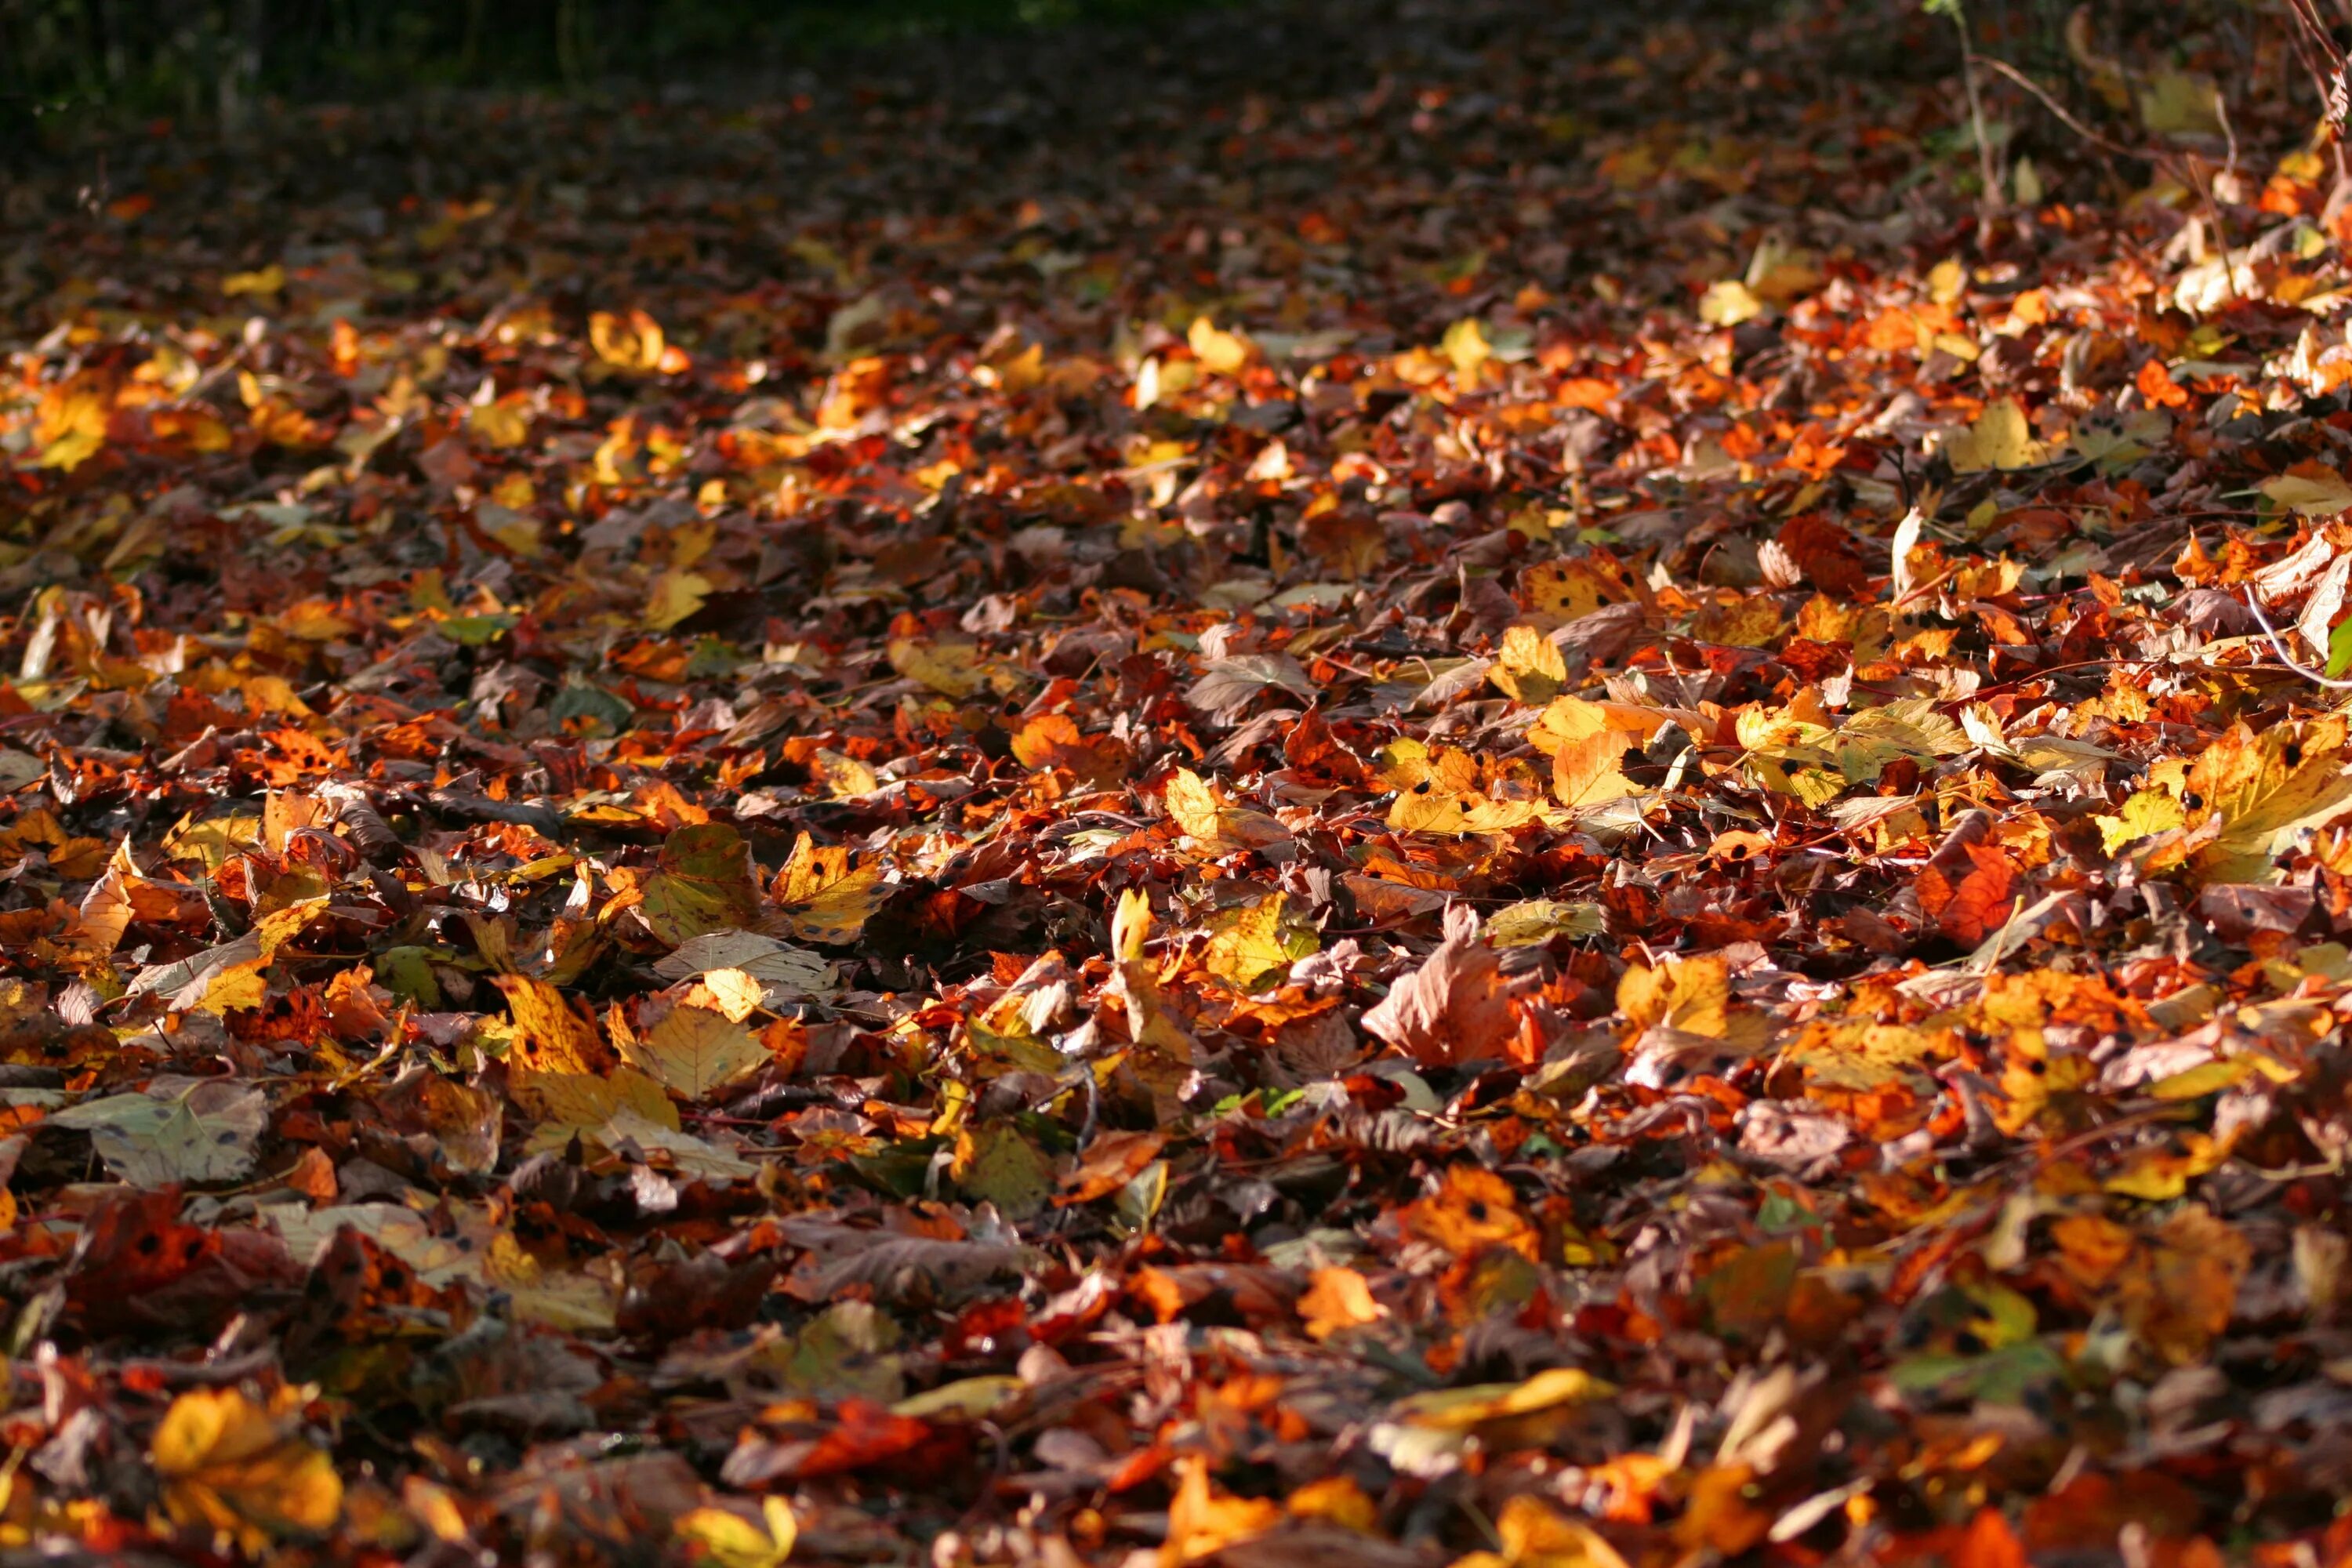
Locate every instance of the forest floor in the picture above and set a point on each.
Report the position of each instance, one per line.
(1478, 783)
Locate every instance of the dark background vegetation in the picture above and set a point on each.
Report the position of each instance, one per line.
(68, 64)
(74, 65)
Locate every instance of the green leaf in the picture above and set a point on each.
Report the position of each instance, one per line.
(999, 1165)
(2339, 648)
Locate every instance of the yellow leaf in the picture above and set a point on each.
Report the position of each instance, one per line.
(1534, 921)
(1130, 926)
(1569, 590)
(731, 1541)
(2146, 814)
(705, 881)
(1220, 352)
(824, 898)
(1529, 666)
(2263, 790)
(1256, 944)
(71, 427)
(694, 1050)
(1693, 994)
(548, 1036)
(571, 1099)
(844, 776)
(244, 1470)
(557, 1298)
(269, 280)
(1535, 1535)
(2175, 103)
(1465, 344)
(2000, 438)
(1194, 806)
(951, 668)
(1729, 303)
(1429, 807)
(1584, 772)
(634, 343)
(1462, 1409)
(2310, 489)
(732, 992)
(500, 424)
(675, 596)
(1574, 718)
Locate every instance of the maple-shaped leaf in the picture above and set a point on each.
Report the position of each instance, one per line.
(824, 897)
(244, 1470)
(705, 881)
(178, 1129)
(566, 1102)
(1455, 1006)
(1587, 771)
(2256, 793)
(1999, 438)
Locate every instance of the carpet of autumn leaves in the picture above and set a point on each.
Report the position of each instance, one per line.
(1473, 784)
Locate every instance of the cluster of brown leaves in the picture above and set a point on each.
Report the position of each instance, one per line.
(1344, 789)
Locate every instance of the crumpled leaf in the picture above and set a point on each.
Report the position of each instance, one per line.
(704, 882)
(1454, 1008)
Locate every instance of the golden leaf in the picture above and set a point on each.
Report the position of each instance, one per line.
(731, 1540)
(1536, 1535)
(694, 1050)
(2000, 438)
(824, 898)
(1692, 994)
(1529, 666)
(548, 1035)
(1220, 352)
(1254, 945)
(1585, 772)
(243, 1470)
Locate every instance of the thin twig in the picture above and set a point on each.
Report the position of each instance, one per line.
(2280, 647)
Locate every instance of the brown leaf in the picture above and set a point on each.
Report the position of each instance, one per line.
(1455, 1007)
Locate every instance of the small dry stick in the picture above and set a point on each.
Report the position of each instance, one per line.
(2279, 647)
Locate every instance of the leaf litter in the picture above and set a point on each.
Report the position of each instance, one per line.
(1343, 784)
